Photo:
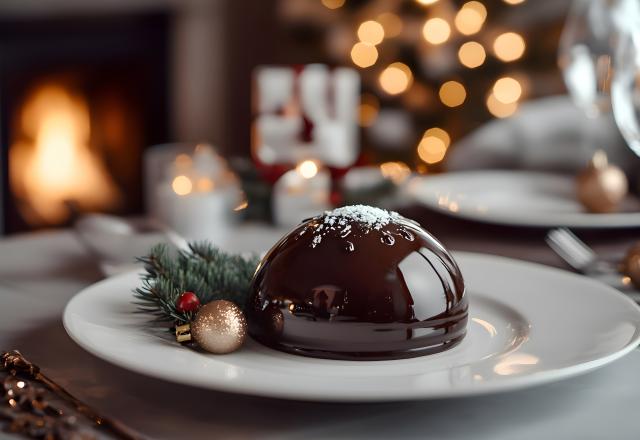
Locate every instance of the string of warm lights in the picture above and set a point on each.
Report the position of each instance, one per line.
(448, 37)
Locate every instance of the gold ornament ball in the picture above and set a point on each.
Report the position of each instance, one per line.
(219, 327)
(631, 264)
(601, 186)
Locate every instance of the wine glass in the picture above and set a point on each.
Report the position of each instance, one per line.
(585, 56)
(625, 87)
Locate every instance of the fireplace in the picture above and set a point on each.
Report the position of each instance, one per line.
(81, 97)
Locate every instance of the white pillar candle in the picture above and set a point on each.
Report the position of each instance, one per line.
(301, 193)
(198, 215)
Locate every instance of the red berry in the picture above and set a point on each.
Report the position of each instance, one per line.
(187, 302)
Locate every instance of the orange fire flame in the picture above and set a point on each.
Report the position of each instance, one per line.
(53, 164)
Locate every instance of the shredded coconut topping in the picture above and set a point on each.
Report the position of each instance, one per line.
(368, 217)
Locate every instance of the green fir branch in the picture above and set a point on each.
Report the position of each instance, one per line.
(205, 270)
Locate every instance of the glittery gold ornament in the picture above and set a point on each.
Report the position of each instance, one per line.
(219, 327)
(631, 264)
(601, 186)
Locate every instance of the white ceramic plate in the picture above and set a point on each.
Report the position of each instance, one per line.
(519, 198)
(529, 325)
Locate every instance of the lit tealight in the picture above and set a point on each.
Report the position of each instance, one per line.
(436, 30)
(371, 32)
(182, 185)
(333, 4)
(307, 169)
(391, 23)
(472, 54)
(452, 93)
(364, 54)
(509, 46)
(470, 18)
(431, 149)
(507, 90)
(396, 78)
(500, 109)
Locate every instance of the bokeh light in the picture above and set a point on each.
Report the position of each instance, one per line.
(440, 134)
(182, 185)
(426, 2)
(507, 90)
(431, 149)
(364, 54)
(470, 18)
(368, 110)
(396, 78)
(509, 46)
(391, 23)
(371, 32)
(333, 4)
(436, 30)
(471, 54)
(452, 93)
(500, 109)
(513, 2)
(397, 172)
(478, 7)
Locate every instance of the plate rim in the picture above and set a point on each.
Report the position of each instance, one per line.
(514, 383)
(620, 220)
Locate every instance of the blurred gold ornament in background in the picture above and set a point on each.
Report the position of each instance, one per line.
(631, 264)
(601, 186)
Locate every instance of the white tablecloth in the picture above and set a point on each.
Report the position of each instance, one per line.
(39, 273)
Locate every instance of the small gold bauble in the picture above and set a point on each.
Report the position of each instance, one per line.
(219, 327)
(601, 186)
(631, 264)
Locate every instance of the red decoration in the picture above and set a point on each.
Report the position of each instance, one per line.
(187, 302)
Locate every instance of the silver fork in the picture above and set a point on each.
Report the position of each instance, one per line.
(583, 259)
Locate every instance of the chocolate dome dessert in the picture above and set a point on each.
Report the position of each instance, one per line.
(358, 283)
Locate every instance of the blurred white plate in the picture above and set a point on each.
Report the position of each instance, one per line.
(529, 324)
(518, 198)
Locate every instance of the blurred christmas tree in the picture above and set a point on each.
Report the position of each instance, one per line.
(433, 70)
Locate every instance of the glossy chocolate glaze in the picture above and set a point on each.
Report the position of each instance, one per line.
(358, 293)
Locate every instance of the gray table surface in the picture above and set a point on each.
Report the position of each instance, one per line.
(40, 272)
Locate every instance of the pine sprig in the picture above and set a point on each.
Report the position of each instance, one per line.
(204, 270)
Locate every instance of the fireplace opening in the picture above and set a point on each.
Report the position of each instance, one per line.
(53, 170)
(77, 114)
